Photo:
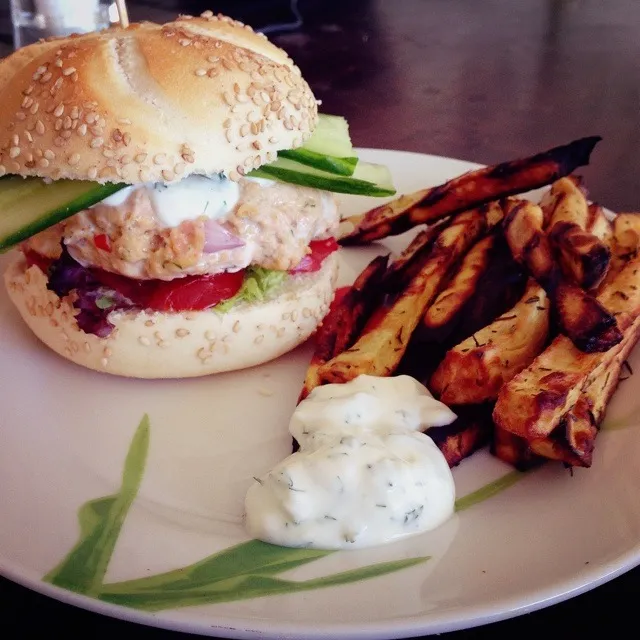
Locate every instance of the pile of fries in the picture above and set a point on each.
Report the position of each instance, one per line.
(518, 315)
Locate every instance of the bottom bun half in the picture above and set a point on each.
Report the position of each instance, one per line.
(150, 344)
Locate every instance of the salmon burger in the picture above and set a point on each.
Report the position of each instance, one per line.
(158, 231)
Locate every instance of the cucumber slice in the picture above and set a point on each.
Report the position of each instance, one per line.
(289, 171)
(332, 164)
(331, 137)
(29, 205)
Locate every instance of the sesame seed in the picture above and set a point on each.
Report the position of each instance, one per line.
(256, 145)
(41, 69)
(21, 115)
(126, 138)
(244, 130)
(74, 159)
(96, 130)
(125, 121)
(234, 175)
(168, 175)
(28, 90)
(46, 77)
(92, 174)
(187, 157)
(104, 362)
(67, 122)
(82, 129)
(58, 124)
(14, 152)
(259, 339)
(149, 323)
(213, 59)
(43, 162)
(96, 142)
(125, 159)
(179, 168)
(59, 110)
(201, 72)
(159, 158)
(49, 155)
(28, 136)
(236, 326)
(40, 127)
(90, 118)
(213, 72)
(15, 139)
(141, 157)
(228, 135)
(68, 71)
(228, 98)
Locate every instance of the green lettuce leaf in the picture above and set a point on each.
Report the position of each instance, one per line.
(259, 284)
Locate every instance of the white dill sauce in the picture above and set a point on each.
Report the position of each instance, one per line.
(188, 199)
(364, 475)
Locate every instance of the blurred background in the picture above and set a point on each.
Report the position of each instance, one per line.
(480, 80)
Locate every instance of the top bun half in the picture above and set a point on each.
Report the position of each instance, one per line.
(151, 103)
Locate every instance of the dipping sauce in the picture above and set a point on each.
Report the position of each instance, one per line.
(364, 475)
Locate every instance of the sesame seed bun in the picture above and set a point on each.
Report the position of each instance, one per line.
(151, 103)
(149, 344)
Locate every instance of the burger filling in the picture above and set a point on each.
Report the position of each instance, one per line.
(198, 244)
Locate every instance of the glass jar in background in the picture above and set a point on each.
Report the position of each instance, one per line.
(36, 19)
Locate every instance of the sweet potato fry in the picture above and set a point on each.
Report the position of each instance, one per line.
(466, 191)
(382, 344)
(514, 450)
(452, 299)
(572, 441)
(534, 402)
(470, 431)
(599, 225)
(475, 370)
(584, 257)
(589, 325)
(343, 323)
(408, 263)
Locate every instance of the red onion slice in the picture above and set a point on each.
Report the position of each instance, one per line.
(218, 238)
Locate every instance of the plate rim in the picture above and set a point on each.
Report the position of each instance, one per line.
(425, 624)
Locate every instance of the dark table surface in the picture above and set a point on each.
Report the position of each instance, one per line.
(480, 80)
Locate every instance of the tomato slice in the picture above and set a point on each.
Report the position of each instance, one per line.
(34, 258)
(191, 293)
(320, 249)
(195, 293)
(101, 240)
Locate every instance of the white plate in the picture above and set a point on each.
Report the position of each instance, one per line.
(65, 434)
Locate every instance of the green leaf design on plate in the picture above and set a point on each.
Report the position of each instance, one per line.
(244, 571)
(489, 490)
(84, 568)
(235, 562)
(247, 586)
